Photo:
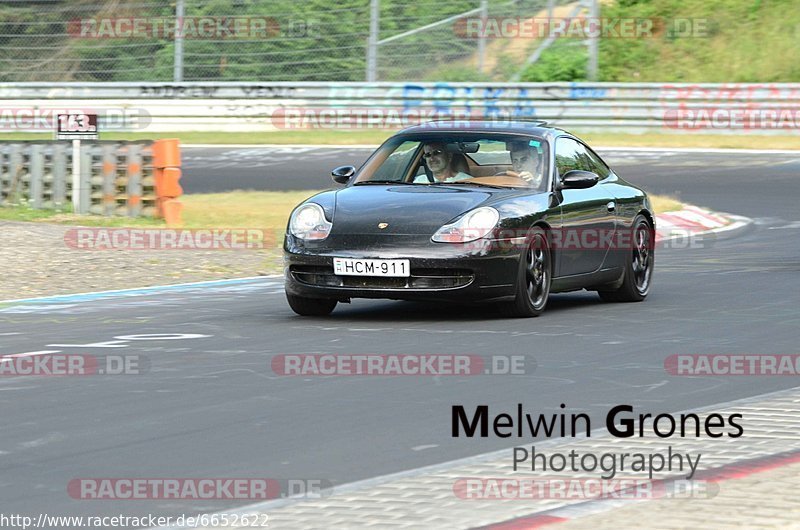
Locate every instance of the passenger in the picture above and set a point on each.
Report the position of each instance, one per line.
(526, 163)
(439, 161)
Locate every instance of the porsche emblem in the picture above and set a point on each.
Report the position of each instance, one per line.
(382, 225)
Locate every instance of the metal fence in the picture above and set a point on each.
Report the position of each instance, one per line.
(253, 107)
(253, 40)
(112, 178)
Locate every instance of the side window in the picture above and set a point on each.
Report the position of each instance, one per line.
(598, 166)
(574, 155)
(396, 163)
(568, 153)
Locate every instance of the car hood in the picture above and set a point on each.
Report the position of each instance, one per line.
(408, 210)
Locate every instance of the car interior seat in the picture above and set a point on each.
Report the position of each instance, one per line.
(459, 163)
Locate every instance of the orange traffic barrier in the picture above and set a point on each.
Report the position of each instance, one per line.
(167, 166)
(172, 208)
(167, 152)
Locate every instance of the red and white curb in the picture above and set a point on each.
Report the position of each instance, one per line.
(692, 221)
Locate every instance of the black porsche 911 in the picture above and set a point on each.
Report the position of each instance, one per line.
(502, 212)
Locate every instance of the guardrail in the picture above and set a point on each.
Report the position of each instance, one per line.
(246, 107)
(116, 178)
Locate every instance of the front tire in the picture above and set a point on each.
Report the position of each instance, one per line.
(310, 307)
(638, 266)
(534, 279)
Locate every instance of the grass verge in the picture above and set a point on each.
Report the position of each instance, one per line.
(65, 216)
(664, 203)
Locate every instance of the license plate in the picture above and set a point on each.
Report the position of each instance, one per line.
(393, 268)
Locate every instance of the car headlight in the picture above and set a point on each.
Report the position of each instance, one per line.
(471, 226)
(308, 222)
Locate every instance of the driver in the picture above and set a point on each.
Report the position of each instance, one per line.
(526, 163)
(439, 161)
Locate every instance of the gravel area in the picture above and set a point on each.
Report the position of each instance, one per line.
(35, 260)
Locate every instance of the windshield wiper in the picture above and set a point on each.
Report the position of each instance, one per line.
(465, 183)
(382, 182)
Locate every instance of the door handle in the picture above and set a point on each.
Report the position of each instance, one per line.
(611, 206)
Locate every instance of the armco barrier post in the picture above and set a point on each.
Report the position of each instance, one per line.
(59, 169)
(134, 185)
(15, 171)
(167, 167)
(84, 190)
(109, 173)
(36, 183)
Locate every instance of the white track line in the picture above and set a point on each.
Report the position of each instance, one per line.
(135, 289)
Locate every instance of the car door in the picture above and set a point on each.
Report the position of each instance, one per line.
(587, 215)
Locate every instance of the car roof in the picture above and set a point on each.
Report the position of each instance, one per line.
(488, 125)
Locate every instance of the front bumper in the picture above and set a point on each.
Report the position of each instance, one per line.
(478, 271)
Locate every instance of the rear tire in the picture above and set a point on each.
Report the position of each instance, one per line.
(638, 265)
(310, 307)
(533, 281)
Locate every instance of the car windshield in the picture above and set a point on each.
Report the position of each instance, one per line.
(508, 161)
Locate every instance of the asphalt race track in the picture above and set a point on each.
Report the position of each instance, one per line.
(211, 406)
(210, 169)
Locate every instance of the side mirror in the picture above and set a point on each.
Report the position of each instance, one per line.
(342, 174)
(579, 180)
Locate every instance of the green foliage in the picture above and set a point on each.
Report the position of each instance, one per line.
(313, 40)
(732, 41)
(563, 61)
(692, 41)
(457, 73)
